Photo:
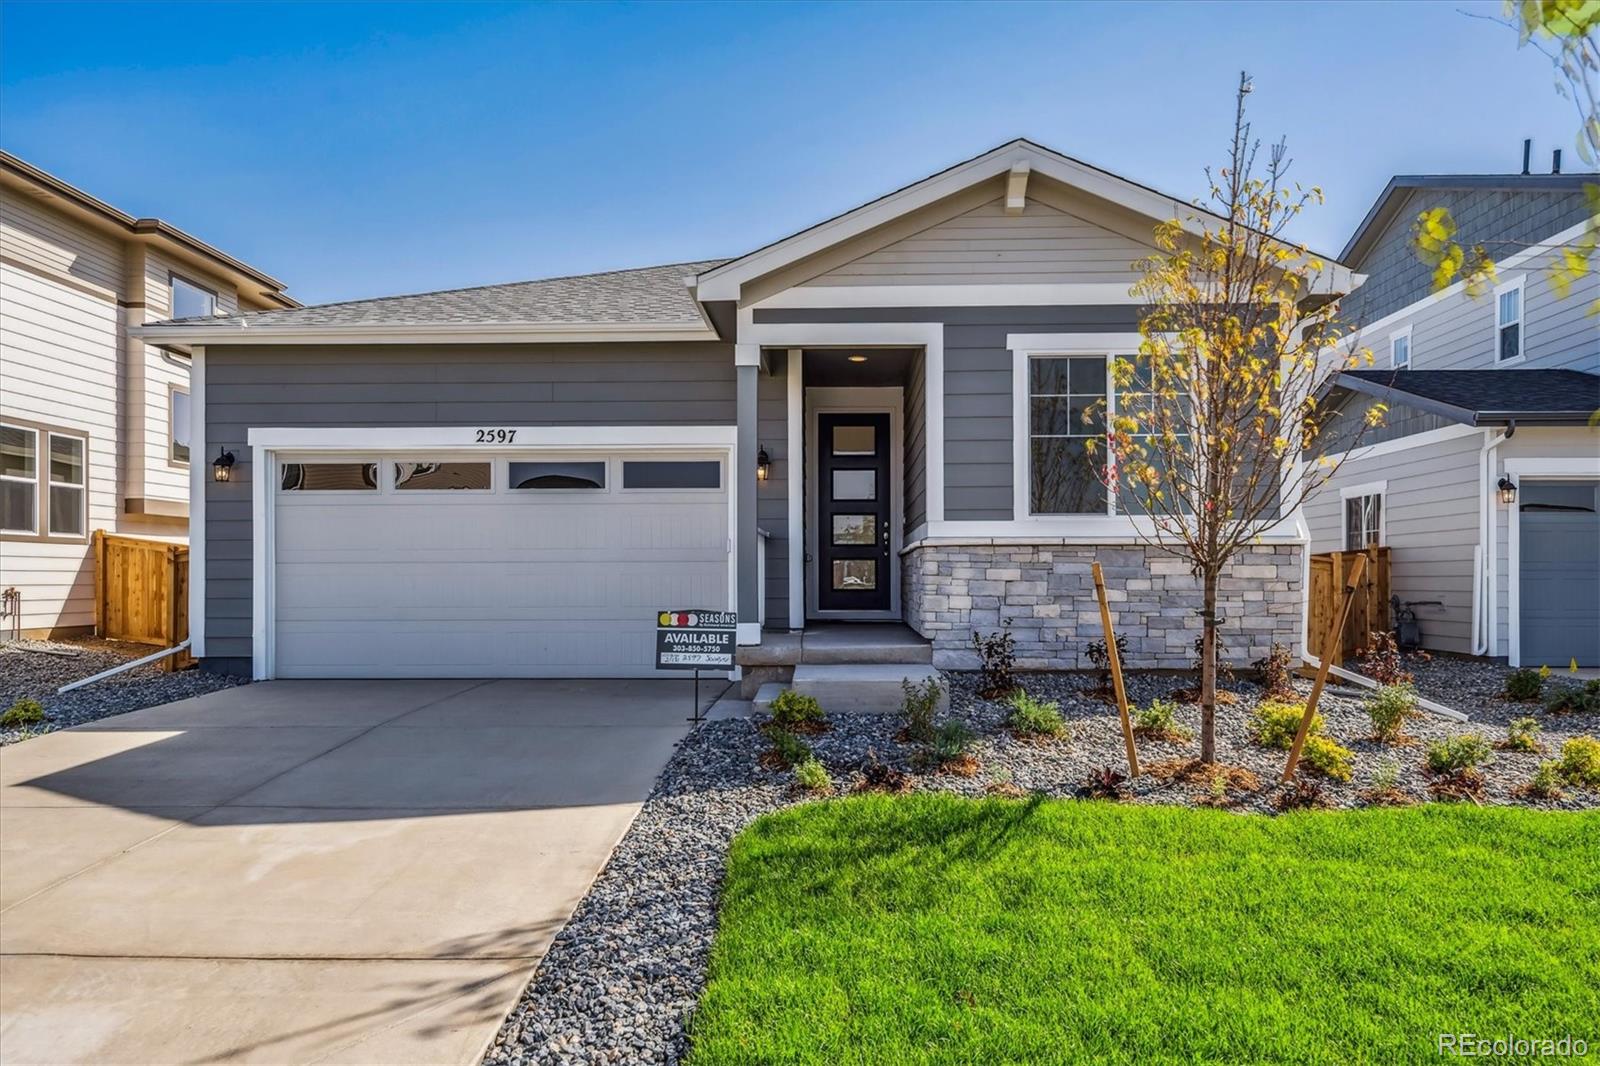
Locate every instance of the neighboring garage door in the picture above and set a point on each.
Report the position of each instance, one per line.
(439, 566)
(1560, 568)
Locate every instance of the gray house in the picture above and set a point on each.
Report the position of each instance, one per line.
(1485, 480)
(868, 421)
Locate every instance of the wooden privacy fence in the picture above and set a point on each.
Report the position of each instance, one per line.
(141, 593)
(1369, 613)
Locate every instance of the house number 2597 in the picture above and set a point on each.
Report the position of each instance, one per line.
(496, 436)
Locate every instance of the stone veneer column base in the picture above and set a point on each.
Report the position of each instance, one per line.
(1046, 592)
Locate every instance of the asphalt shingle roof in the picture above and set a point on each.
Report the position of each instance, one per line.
(1480, 397)
(648, 295)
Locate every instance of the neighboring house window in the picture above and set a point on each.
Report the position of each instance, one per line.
(178, 425)
(1363, 517)
(1066, 409)
(19, 480)
(68, 485)
(1400, 350)
(192, 301)
(1508, 321)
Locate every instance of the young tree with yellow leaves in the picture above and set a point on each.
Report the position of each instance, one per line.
(1239, 342)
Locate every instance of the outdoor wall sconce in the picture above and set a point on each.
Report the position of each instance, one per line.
(222, 466)
(1508, 491)
(763, 465)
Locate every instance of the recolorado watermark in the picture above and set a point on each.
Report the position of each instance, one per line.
(1474, 1046)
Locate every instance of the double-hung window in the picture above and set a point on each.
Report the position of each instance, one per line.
(1066, 411)
(1508, 313)
(1363, 516)
(68, 485)
(44, 482)
(19, 480)
(1400, 349)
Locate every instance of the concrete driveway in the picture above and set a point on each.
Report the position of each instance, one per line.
(309, 871)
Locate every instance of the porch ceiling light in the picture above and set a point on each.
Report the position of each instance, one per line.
(222, 466)
(763, 465)
(857, 358)
(1508, 491)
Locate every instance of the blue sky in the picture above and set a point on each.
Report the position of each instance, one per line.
(361, 149)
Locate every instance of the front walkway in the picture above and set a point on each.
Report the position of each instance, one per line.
(347, 871)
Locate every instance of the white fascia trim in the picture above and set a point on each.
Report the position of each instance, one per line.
(724, 282)
(1068, 295)
(433, 333)
(1074, 343)
(1582, 466)
(526, 437)
(199, 478)
(1402, 444)
(1366, 488)
(929, 336)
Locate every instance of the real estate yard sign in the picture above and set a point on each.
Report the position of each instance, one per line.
(695, 640)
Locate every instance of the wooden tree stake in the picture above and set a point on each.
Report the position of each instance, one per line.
(1116, 671)
(1335, 631)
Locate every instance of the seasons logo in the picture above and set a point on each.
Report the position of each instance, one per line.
(696, 619)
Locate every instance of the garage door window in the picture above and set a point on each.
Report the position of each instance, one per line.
(330, 477)
(681, 474)
(558, 475)
(441, 477)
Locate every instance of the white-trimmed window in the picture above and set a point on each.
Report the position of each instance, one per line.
(69, 485)
(1400, 349)
(19, 480)
(1363, 514)
(178, 425)
(191, 300)
(1508, 316)
(1067, 401)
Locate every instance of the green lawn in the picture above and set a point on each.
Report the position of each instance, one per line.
(930, 929)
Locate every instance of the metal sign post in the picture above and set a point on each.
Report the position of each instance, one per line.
(695, 640)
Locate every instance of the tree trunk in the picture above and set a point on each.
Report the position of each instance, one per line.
(1208, 669)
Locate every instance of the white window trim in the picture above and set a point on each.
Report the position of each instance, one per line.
(173, 277)
(1564, 469)
(1519, 284)
(1347, 493)
(1411, 354)
(36, 481)
(270, 446)
(49, 482)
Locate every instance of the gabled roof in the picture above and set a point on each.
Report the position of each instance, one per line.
(21, 173)
(1486, 397)
(1393, 198)
(624, 302)
(1018, 156)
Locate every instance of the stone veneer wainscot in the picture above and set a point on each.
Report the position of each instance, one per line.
(1046, 591)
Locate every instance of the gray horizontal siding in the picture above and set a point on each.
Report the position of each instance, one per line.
(916, 447)
(977, 385)
(524, 385)
(772, 495)
(1431, 528)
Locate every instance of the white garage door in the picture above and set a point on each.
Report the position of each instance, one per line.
(511, 566)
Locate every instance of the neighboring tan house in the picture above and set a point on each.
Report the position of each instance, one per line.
(874, 420)
(94, 425)
(1484, 481)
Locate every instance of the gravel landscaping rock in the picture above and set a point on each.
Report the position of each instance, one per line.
(621, 980)
(30, 670)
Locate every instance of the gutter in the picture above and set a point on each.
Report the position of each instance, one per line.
(240, 331)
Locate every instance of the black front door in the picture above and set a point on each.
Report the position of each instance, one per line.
(853, 572)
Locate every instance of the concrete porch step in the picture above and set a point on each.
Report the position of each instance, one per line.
(859, 688)
(883, 644)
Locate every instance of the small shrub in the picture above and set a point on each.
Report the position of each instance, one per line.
(1574, 699)
(794, 712)
(1158, 720)
(1302, 795)
(1458, 754)
(1327, 757)
(787, 750)
(1105, 783)
(997, 658)
(1546, 781)
(1381, 660)
(1035, 718)
(876, 777)
(1522, 735)
(22, 713)
(812, 776)
(1001, 783)
(1387, 776)
(1100, 656)
(918, 707)
(951, 740)
(1389, 708)
(1526, 685)
(1580, 762)
(1274, 723)
(1276, 673)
